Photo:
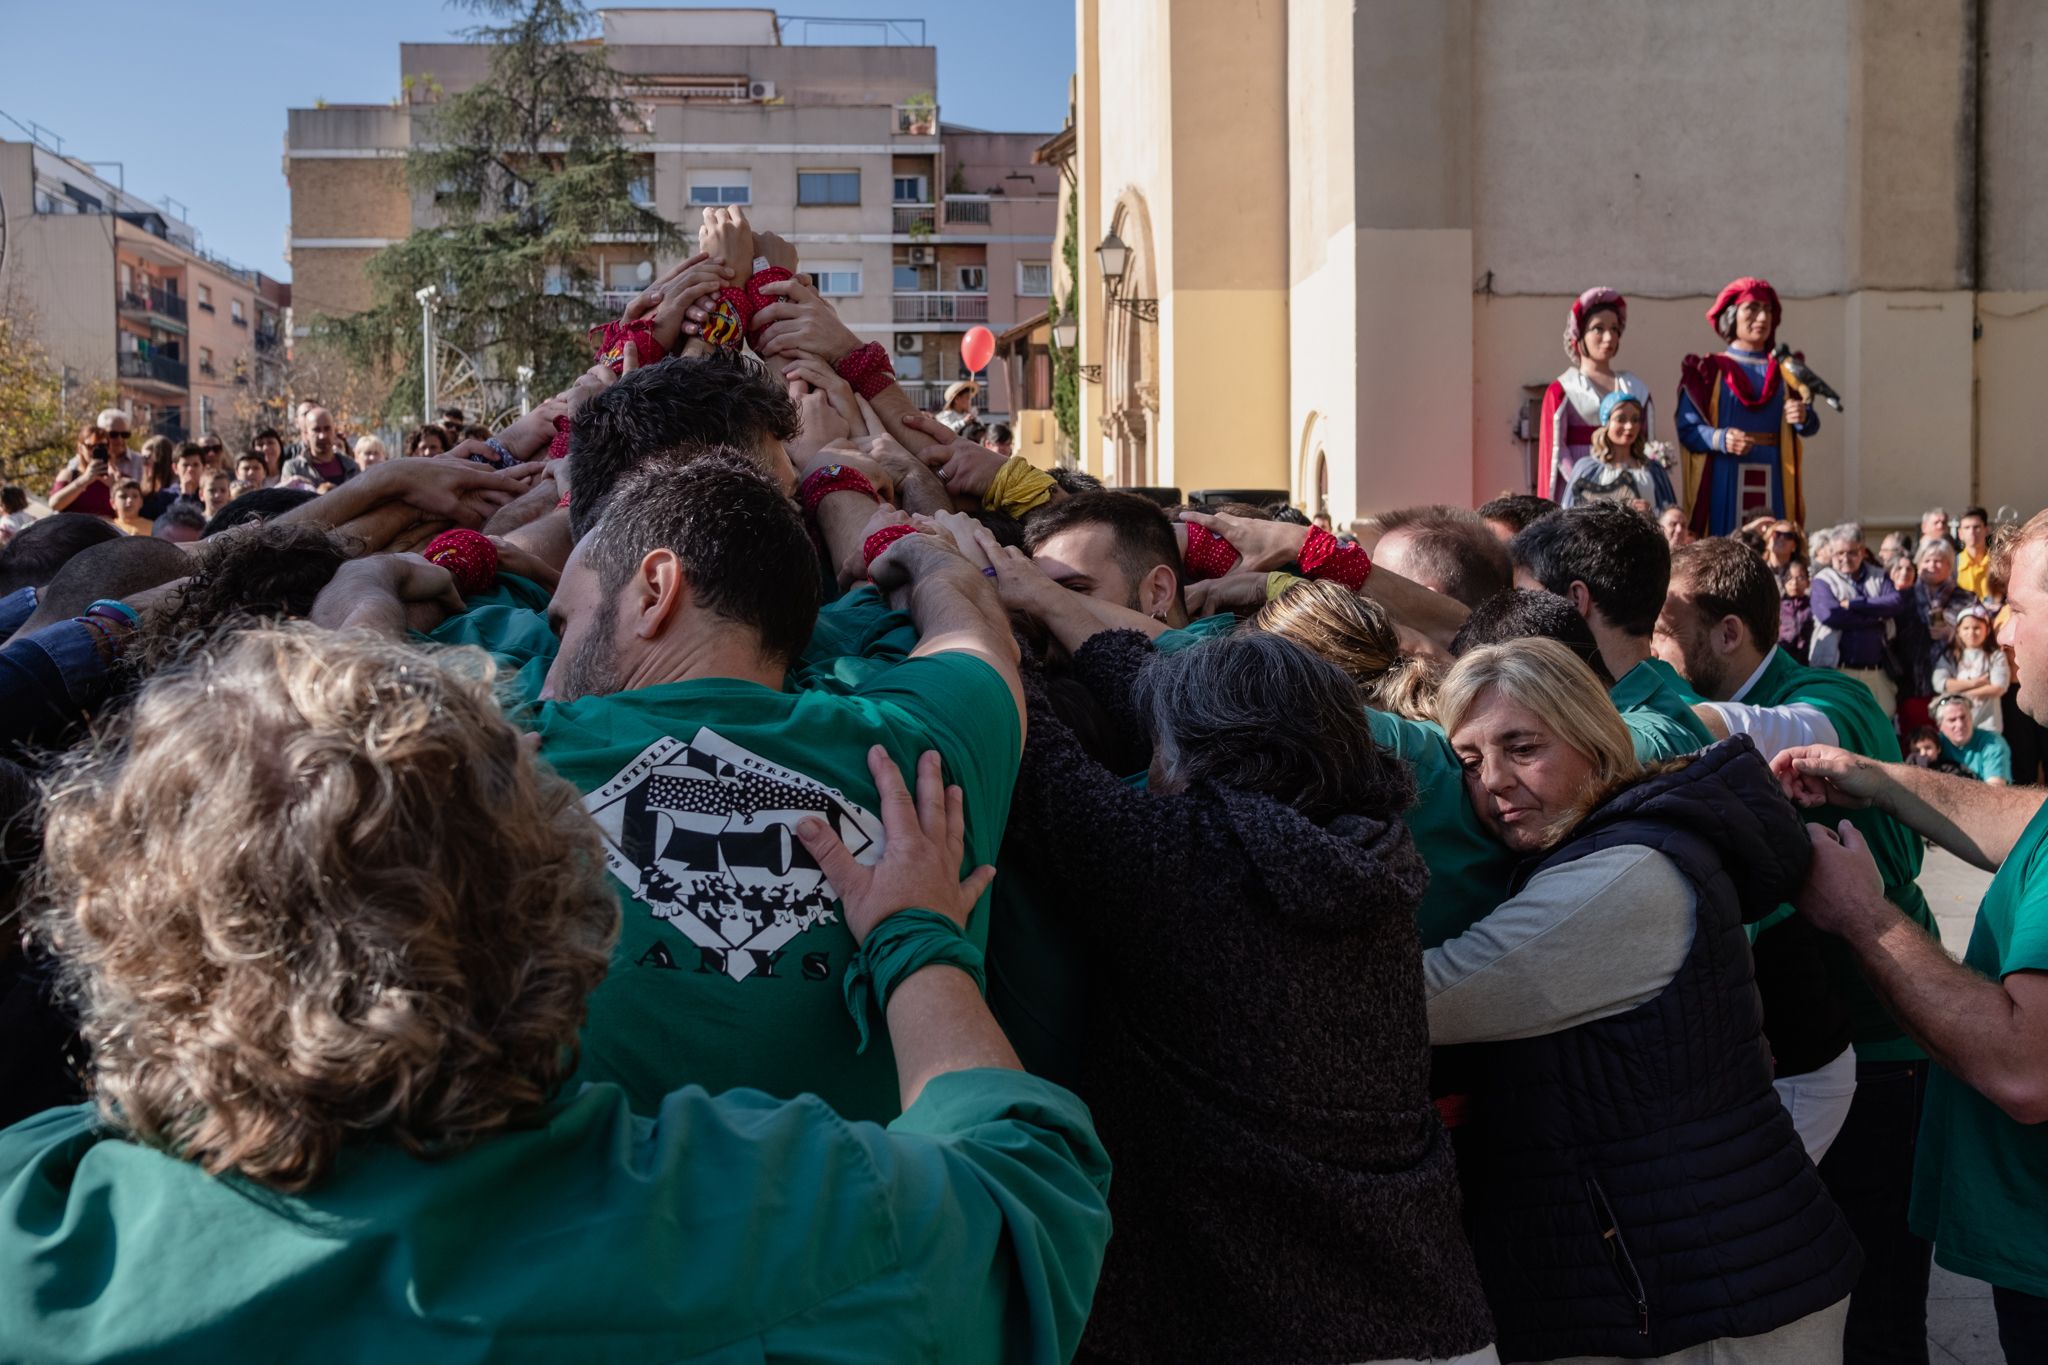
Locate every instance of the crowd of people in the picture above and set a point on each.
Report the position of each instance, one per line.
(731, 866)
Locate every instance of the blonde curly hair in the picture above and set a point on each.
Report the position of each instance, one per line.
(394, 940)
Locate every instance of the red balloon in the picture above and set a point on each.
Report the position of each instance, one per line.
(977, 348)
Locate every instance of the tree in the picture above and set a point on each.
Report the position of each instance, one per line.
(40, 410)
(1066, 364)
(526, 170)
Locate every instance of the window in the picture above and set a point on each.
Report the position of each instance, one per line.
(235, 314)
(974, 279)
(910, 366)
(907, 280)
(837, 277)
(633, 275)
(1034, 279)
(640, 189)
(721, 187)
(828, 187)
(912, 189)
(205, 357)
(556, 280)
(206, 297)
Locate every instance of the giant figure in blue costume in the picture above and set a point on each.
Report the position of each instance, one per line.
(1740, 428)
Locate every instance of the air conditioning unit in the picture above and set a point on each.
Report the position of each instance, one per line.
(908, 343)
(761, 92)
(924, 255)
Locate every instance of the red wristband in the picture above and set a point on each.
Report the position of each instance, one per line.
(867, 369)
(1209, 555)
(612, 339)
(1324, 556)
(559, 447)
(871, 548)
(756, 300)
(467, 555)
(833, 478)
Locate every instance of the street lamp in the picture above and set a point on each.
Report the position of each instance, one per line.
(525, 375)
(1112, 255)
(1066, 331)
(426, 299)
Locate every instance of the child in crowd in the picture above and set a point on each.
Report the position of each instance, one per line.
(1795, 610)
(1924, 750)
(1620, 468)
(1973, 669)
(128, 518)
(216, 492)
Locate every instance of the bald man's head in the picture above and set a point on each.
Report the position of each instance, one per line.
(114, 569)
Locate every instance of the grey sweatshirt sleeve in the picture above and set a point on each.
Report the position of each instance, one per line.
(1591, 938)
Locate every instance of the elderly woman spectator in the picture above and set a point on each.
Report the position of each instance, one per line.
(328, 1051)
(1284, 1190)
(1614, 1040)
(1855, 607)
(371, 450)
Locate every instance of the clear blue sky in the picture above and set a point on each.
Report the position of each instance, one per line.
(190, 94)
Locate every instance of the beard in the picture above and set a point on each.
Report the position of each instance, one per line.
(593, 669)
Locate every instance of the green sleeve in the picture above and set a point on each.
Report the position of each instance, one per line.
(1000, 1189)
(1194, 632)
(857, 637)
(966, 708)
(509, 622)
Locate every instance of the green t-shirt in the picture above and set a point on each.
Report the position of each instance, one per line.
(1987, 755)
(1173, 640)
(730, 965)
(727, 1229)
(1980, 1178)
(732, 954)
(1468, 868)
(1862, 728)
(1656, 705)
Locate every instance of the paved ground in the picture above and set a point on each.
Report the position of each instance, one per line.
(1961, 1329)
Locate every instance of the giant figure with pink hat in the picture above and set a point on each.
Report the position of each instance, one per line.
(1571, 406)
(1741, 429)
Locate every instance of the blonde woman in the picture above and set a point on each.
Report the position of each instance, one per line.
(370, 450)
(1355, 634)
(1616, 1046)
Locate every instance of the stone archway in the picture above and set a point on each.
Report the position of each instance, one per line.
(1131, 384)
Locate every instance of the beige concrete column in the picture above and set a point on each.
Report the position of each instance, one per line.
(1411, 98)
(1091, 446)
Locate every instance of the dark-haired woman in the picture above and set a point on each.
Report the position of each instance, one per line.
(1283, 1189)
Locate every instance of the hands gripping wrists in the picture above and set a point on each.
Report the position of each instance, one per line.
(868, 369)
(872, 548)
(833, 478)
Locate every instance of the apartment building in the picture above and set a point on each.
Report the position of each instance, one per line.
(117, 289)
(918, 229)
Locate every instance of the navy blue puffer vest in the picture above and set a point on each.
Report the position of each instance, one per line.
(1633, 1186)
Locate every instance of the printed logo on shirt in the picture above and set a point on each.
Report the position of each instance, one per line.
(704, 833)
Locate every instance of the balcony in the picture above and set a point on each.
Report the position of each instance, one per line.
(927, 395)
(967, 208)
(917, 120)
(267, 340)
(153, 369)
(941, 307)
(158, 303)
(913, 219)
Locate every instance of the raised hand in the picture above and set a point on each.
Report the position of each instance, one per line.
(923, 842)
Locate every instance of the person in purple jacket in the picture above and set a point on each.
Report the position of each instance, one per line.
(1855, 604)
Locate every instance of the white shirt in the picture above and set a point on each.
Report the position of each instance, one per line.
(1774, 728)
